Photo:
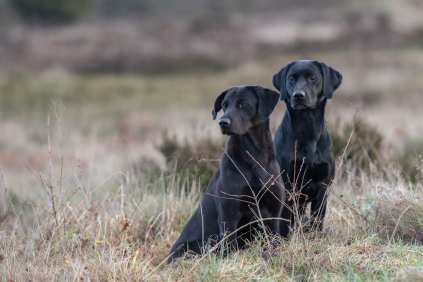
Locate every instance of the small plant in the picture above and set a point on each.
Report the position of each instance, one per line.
(365, 149)
(200, 159)
(365, 145)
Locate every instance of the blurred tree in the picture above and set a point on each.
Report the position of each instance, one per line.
(52, 11)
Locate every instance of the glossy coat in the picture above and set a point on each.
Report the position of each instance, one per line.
(246, 120)
(303, 145)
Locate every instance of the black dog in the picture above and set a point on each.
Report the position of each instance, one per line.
(305, 87)
(246, 120)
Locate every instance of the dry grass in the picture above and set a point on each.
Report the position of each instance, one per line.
(128, 243)
(123, 230)
(116, 220)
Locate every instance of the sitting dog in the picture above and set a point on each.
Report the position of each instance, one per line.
(303, 145)
(228, 203)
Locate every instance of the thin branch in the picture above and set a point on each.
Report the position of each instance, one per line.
(231, 199)
(58, 120)
(237, 195)
(252, 192)
(396, 225)
(4, 194)
(50, 183)
(275, 179)
(348, 142)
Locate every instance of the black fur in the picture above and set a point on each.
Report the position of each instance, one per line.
(305, 87)
(246, 120)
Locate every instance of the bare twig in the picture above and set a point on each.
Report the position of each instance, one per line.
(251, 203)
(4, 194)
(295, 163)
(276, 179)
(348, 142)
(88, 202)
(203, 160)
(396, 225)
(237, 196)
(136, 207)
(50, 183)
(202, 227)
(3, 215)
(252, 192)
(58, 120)
(272, 177)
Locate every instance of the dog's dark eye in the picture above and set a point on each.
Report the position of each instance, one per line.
(291, 78)
(313, 77)
(243, 104)
(224, 105)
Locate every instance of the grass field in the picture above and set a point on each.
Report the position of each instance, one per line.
(123, 228)
(119, 206)
(105, 152)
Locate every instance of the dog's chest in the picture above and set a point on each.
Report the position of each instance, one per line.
(309, 178)
(262, 177)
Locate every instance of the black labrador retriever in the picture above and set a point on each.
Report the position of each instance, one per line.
(303, 145)
(222, 210)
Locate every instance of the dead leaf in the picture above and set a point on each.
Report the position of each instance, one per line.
(126, 223)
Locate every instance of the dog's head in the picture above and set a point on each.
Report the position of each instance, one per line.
(303, 83)
(244, 107)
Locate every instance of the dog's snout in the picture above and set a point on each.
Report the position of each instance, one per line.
(224, 122)
(299, 95)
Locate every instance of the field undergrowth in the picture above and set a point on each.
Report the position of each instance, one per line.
(122, 229)
(103, 191)
(105, 198)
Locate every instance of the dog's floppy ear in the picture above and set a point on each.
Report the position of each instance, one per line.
(331, 80)
(218, 103)
(279, 81)
(267, 101)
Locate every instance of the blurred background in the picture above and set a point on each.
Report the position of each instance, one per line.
(133, 81)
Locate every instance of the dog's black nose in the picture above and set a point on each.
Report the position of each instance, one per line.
(224, 122)
(299, 95)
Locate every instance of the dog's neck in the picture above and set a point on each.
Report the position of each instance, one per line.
(307, 124)
(259, 144)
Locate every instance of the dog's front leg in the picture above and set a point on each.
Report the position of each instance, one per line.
(317, 213)
(288, 220)
(228, 220)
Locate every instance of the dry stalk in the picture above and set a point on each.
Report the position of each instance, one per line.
(346, 146)
(58, 120)
(275, 179)
(202, 227)
(2, 216)
(50, 184)
(88, 202)
(251, 203)
(396, 225)
(221, 241)
(254, 195)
